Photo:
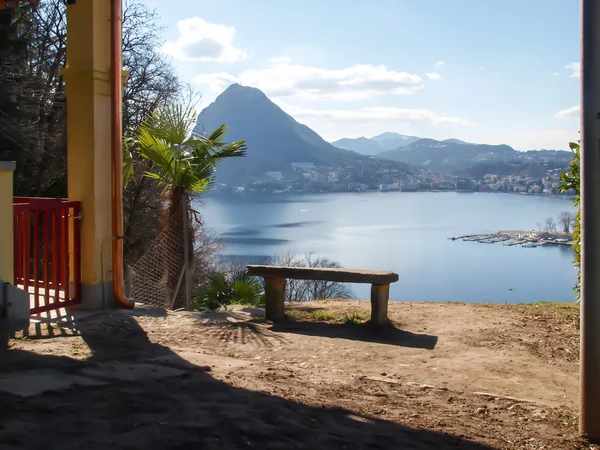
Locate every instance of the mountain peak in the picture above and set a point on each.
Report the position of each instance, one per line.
(386, 135)
(390, 135)
(236, 91)
(456, 141)
(273, 138)
(376, 144)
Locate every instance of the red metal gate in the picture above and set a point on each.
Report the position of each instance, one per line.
(47, 258)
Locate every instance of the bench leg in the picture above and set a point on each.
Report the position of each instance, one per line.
(275, 298)
(380, 294)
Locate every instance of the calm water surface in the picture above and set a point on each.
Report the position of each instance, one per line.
(407, 233)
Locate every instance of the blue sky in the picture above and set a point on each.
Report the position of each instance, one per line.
(503, 71)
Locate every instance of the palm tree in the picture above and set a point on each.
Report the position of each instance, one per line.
(182, 163)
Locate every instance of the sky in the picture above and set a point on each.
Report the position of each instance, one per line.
(494, 72)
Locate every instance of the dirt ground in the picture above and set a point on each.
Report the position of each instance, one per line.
(442, 376)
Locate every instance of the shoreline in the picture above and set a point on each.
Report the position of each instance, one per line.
(283, 194)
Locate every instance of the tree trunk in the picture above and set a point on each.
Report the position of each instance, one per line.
(173, 245)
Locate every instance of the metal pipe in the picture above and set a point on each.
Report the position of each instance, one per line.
(116, 99)
(186, 256)
(589, 424)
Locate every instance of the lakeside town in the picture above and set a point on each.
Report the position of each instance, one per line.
(385, 176)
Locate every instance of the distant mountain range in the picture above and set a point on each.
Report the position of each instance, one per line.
(274, 139)
(377, 144)
(526, 168)
(450, 155)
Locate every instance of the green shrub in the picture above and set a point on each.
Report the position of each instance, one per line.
(228, 289)
(322, 315)
(354, 319)
(571, 180)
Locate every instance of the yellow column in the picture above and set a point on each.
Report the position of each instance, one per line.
(6, 221)
(87, 78)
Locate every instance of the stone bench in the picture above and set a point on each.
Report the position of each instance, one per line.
(275, 279)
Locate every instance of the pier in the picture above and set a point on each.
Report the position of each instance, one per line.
(526, 239)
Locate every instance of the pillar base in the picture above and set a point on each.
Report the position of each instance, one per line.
(275, 299)
(97, 296)
(380, 294)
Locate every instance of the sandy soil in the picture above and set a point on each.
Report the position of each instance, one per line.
(443, 376)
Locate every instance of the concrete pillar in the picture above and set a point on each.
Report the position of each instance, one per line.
(275, 298)
(6, 221)
(380, 295)
(87, 78)
(590, 221)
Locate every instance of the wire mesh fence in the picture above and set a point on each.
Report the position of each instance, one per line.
(161, 277)
(158, 277)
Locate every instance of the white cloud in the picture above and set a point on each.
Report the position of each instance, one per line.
(534, 139)
(433, 76)
(203, 41)
(216, 82)
(360, 82)
(480, 68)
(569, 113)
(374, 114)
(281, 60)
(575, 69)
(439, 64)
(556, 74)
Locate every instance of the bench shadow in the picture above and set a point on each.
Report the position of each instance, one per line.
(388, 334)
(193, 410)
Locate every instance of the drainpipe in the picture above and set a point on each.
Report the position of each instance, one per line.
(116, 99)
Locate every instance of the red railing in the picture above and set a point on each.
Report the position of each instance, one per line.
(47, 251)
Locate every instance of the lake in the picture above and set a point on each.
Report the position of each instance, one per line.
(406, 232)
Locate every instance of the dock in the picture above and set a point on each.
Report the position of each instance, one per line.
(526, 239)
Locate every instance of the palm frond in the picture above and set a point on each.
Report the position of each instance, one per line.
(219, 134)
(247, 291)
(235, 149)
(213, 156)
(157, 150)
(236, 275)
(172, 123)
(128, 164)
(180, 158)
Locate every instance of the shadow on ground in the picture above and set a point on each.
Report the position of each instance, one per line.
(245, 332)
(188, 410)
(388, 334)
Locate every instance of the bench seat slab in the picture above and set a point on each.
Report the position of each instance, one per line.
(325, 274)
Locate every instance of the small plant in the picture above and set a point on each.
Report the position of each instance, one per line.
(322, 315)
(295, 314)
(354, 319)
(229, 289)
